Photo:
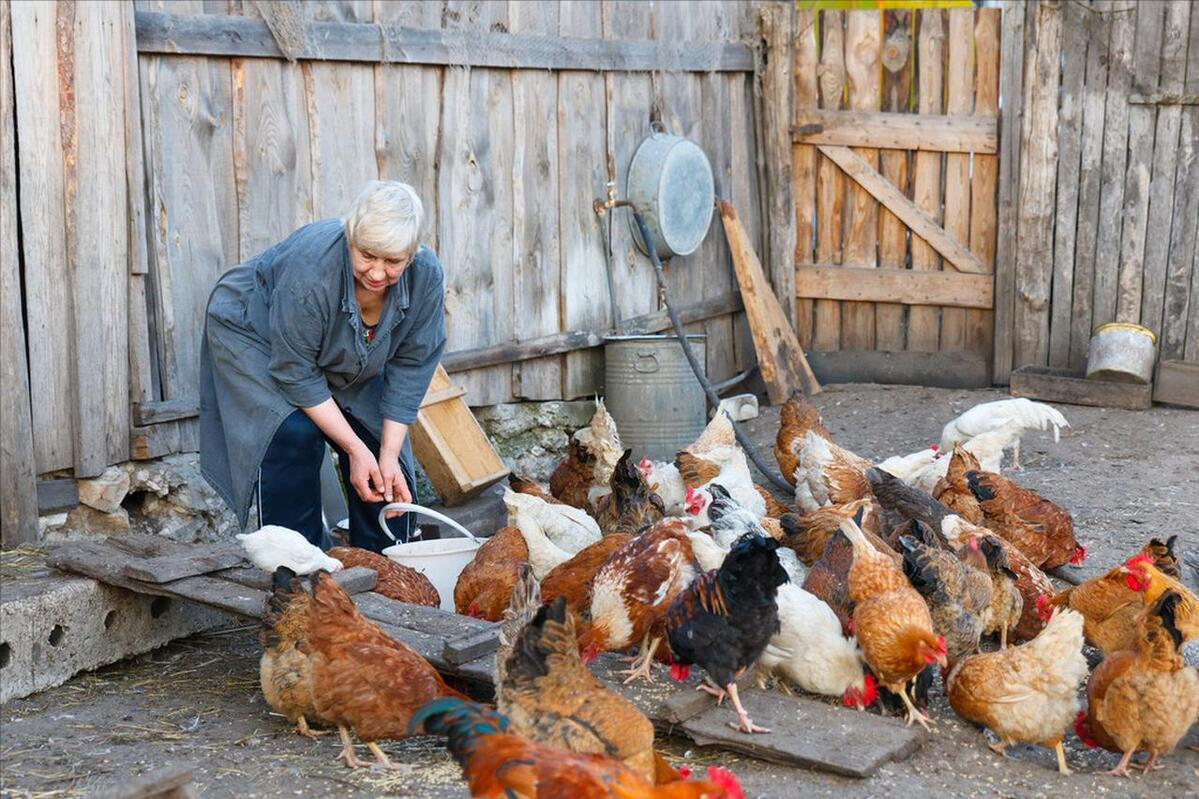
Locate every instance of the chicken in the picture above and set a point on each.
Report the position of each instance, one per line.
(726, 617)
(1110, 603)
(987, 449)
(891, 621)
(552, 532)
(1006, 603)
(285, 668)
(571, 481)
(906, 467)
(361, 678)
(526, 485)
(665, 481)
(734, 476)
(810, 651)
(828, 474)
(630, 506)
(796, 418)
(807, 534)
(632, 591)
(1017, 415)
(573, 578)
(1163, 556)
(774, 508)
(902, 503)
(497, 763)
(828, 579)
(1026, 693)
(958, 595)
(395, 580)
(954, 492)
(1032, 583)
(603, 439)
(485, 586)
(273, 546)
(1042, 530)
(551, 697)
(1143, 699)
(523, 605)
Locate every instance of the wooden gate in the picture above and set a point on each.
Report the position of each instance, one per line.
(894, 175)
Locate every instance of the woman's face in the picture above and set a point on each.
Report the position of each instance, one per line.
(374, 273)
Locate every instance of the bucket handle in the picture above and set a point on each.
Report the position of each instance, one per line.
(646, 356)
(421, 509)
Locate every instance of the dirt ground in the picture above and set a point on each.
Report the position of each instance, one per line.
(1124, 475)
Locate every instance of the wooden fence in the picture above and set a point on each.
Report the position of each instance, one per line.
(159, 143)
(894, 176)
(1101, 145)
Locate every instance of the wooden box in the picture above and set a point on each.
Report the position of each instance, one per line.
(1177, 383)
(451, 446)
(1052, 384)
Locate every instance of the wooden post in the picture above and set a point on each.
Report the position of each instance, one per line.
(1011, 84)
(803, 164)
(897, 57)
(830, 183)
(959, 102)
(924, 322)
(980, 325)
(776, 22)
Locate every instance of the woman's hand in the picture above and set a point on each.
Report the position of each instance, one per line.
(365, 475)
(395, 487)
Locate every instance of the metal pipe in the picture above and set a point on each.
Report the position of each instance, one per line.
(713, 398)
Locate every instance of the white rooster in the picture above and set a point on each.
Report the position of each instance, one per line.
(273, 546)
(1014, 415)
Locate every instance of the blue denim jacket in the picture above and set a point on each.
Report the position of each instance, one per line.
(283, 331)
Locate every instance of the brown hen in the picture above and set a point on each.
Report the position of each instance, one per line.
(952, 490)
(285, 669)
(796, 418)
(526, 485)
(574, 477)
(808, 533)
(485, 586)
(572, 579)
(1042, 530)
(630, 506)
(396, 581)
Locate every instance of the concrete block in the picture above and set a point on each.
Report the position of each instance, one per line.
(53, 625)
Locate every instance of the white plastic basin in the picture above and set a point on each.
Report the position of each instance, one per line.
(441, 560)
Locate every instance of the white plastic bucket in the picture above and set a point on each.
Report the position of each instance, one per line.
(441, 560)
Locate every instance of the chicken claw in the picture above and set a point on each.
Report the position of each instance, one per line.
(384, 761)
(999, 748)
(744, 723)
(1121, 769)
(302, 728)
(714, 690)
(914, 713)
(1061, 758)
(347, 751)
(644, 662)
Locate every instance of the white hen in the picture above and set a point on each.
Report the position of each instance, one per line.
(810, 652)
(553, 533)
(1023, 413)
(273, 546)
(987, 447)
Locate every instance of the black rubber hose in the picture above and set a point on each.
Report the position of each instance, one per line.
(713, 398)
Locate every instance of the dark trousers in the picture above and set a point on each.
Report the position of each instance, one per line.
(289, 485)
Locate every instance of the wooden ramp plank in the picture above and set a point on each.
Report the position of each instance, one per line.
(780, 358)
(165, 568)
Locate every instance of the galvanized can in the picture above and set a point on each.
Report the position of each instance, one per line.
(670, 181)
(652, 393)
(1122, 352)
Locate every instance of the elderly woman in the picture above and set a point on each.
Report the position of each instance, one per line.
(331, 335)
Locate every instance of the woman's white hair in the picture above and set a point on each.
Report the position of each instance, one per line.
(385, 219)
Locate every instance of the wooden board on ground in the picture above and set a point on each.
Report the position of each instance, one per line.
(943, 369)
(1177, 383)
(780, 358)
(1054, 384)
(451, 446)
(164, 568)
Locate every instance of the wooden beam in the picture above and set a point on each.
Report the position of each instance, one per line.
(932, 132)
(903, 286)
(775, 22)
(246, 37)
(921, 223)
(1164, 98)
(943, 369)
(148, 413)
(57, 495)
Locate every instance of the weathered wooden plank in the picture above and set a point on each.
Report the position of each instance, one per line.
(1055, 384)
(922, 224)
(955, 133)
(1074, 44)
(433, 621)
(1177, 383)
(830, 182)
(165, 568)
(186, 34)
(1098, 32)
(168, 438)
(1192, 337)
(956, 289)
(271, 152)
(148, 413)
(744, 184)
(56, 495)
(862, 49)
(1147, 58)
(582, 172)
(943, 369)
(1167, 148)
(897, 55)
(430, 646)
(355, 580)
(171, 782)
(781, 360)
(1184, 232)
(980, 324)
(1115, 157)
(777, 30)
(959, 101)
(1038, 167)
(18, 496)
(1011, 82)
(475, 180)
(471, 646)
(924, 323)
(187, 115)
(536, 247)
(48, 299)
(803, 163)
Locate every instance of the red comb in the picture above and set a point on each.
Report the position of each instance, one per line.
(1139, 558)
(1080, 554)
(1080, 729)
(679, 671)
(870, 693)
(726, 780)
(685, 772)
(643, 463)
(935, 448)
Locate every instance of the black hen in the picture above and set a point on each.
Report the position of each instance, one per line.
(902, 502)
(724, 619)
(631, 506)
